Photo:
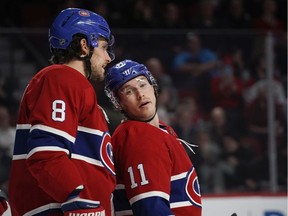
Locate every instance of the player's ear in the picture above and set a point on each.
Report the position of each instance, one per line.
(121, 104)
(84, 47)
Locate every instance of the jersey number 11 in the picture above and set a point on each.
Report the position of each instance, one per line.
(144, 181)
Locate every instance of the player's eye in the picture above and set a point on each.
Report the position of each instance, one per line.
(128, 91)
(143, 85)
(104, 46)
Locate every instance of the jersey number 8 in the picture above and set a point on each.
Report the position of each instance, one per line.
(58, 110)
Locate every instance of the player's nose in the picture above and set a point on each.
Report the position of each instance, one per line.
(139, 93)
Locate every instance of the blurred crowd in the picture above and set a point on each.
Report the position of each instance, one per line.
(217, 100)
(197, 14)
(222, 107)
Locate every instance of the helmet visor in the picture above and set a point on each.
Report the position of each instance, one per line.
(110, 47)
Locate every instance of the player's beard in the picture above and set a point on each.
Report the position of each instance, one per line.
(92, 72)
(96, 73)
(97, 77)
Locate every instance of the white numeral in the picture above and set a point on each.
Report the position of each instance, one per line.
(144, 181)
(58, 113)
(133, 183)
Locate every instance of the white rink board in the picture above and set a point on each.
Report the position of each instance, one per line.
(245, 206)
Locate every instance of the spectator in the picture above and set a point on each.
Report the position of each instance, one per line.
(7, 132)
(212, 169)
(101, 8)
(162, 104)
(7, 135)
(236, 16)
(240, 68)
(268, 19)
(8, 96)
(164, 80)
(240, 159)
(196, 66)
(182, 123)
(206, 18)
(218, 125)
(226, 91)
(142, 15)
(256, 108)
(256, 119)
(187, 120)
(171, 17)
(260, 82)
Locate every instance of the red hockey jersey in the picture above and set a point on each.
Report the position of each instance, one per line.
(59, 113)
(154, 174)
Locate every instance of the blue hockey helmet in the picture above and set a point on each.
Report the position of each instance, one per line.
(121, 73)
(72, 21)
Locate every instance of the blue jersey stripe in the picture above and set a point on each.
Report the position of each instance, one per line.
(28, 141)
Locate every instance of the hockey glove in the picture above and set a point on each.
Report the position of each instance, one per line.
(78, 206)
(4, 205)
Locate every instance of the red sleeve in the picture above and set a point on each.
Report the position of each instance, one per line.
(143, 160)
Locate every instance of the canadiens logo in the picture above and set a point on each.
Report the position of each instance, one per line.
(193, 188)
(84, 13)
(106, 153)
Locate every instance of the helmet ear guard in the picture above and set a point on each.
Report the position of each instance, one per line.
(121, 73)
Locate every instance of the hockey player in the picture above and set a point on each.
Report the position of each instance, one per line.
(154, 174)
(62, 161)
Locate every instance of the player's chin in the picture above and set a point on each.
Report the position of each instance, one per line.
(146, 115)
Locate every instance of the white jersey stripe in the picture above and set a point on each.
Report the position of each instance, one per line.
(87, 160)
(180, 204)
(90, 130)
(19, 157)
(43, 208)
(179, 176)
(49, 148)
(54, 131)
(23, 126)
(120, 186)
(46, 148)
(59, 132)
(149, 194)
